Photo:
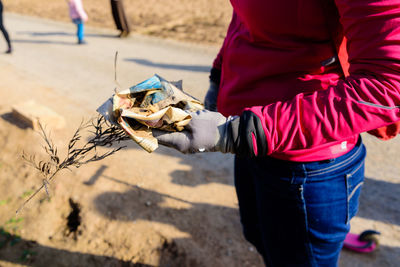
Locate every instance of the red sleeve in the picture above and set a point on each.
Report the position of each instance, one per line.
(367, 99)
(217, 64)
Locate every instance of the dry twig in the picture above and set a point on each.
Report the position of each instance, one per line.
(104, 135)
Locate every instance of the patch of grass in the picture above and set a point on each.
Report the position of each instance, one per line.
(14, 220)
(44, 199)
(5, 202)
(13, 225)
(15, 240)
(7, 237)
(3, 232)
(27, 255)
(3, 239)
(27, 193)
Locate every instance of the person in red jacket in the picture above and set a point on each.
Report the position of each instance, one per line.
(292, 115)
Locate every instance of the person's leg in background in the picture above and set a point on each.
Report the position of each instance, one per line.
(123, 20)
(4, 31)
(80, 31)
(303, 209)
(119, 16)
(115, 14)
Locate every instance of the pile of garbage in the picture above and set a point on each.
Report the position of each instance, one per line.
(153, 103)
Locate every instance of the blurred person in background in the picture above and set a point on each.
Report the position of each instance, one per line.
(295, 83)
(4, 31)
(78, 17)
(119, 16)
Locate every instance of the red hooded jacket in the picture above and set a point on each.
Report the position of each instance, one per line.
(271, 64)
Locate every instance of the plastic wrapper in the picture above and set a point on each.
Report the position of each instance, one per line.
(154, 103)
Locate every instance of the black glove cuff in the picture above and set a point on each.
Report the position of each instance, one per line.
(246, 136)
(215, 76)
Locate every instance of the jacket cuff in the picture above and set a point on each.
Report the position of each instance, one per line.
(215, 75)
(245, 136)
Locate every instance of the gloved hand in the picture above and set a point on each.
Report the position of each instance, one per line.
(210, 132)
(210, 100)
(206, 132)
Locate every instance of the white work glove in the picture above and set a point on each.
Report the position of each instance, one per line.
(206, 132)
(210, 132)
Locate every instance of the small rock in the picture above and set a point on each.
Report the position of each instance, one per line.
(32, 113)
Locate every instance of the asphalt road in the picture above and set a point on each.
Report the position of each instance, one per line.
(48, 51)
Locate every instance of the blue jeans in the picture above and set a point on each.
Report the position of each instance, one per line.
(296, 213)
(80, 32)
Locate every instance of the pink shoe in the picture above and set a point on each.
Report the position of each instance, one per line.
(366, 242)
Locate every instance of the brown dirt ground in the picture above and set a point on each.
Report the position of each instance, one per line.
(125, 220)
(201, 21)
(182, 213)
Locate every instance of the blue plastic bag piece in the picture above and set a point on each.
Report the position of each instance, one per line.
(151, 83)
(157, 97)
(155, 82)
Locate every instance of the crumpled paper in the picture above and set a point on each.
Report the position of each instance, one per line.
(153, 103)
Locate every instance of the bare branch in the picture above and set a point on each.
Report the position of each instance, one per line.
(103, 133)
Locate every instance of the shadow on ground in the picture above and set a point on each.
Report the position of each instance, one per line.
(148, 63)
(11, 119)
(109, 205)
(57, 42)
(29, 41)
(205, 168)
(122, 206)
(139, 204)
(43, 34)
(384, 256)
(15, 250)
(378, 201)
